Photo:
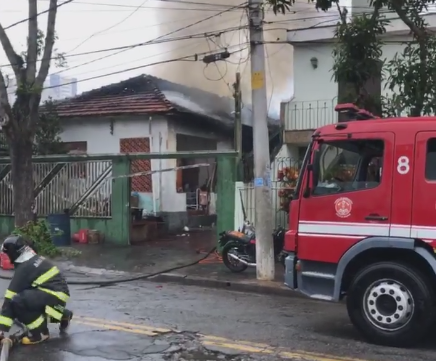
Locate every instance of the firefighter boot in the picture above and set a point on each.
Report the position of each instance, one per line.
(37, 335)
(66, 319)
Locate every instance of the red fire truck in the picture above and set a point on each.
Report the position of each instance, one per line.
(363, 224)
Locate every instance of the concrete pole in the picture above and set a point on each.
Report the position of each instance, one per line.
(262, 167)
(238, 121)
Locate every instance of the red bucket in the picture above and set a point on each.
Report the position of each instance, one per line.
(83, 236)
(5, 262)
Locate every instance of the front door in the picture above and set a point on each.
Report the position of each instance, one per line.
(423, 225)
(351, 197)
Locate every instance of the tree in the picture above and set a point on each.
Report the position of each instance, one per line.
(20, 119)
(410, 75)
(48, 130)
(47, 135)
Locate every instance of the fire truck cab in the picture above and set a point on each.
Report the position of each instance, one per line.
(362, 224)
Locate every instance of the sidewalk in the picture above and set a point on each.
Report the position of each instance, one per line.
(218, 276)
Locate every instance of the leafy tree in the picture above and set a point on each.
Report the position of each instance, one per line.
(47, 135)
(48, 130)
(20, 120)
(410, 75)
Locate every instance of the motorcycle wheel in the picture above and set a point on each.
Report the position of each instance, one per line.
(232, 264)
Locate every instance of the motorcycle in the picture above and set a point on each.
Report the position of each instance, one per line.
(239, 247)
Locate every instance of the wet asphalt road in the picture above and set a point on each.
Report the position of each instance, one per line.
(296, 324)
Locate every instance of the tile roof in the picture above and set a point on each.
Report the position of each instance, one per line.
(139, 95)
(147, 94)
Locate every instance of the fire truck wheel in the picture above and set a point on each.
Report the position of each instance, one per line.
(391, 304)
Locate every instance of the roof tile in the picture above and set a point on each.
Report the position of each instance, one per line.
(134, 96)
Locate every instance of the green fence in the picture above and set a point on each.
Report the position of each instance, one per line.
(96, 189)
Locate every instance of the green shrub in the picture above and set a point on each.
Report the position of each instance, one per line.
(39, 233)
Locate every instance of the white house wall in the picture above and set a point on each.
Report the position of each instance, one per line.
(315, 91)
(97, 134)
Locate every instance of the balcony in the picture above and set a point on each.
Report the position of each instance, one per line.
(309, 115)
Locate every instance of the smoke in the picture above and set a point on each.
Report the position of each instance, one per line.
(219, 77)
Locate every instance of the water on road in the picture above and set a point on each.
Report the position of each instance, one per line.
(148, 321)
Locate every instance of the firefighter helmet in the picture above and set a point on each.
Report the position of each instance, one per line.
(16, 247)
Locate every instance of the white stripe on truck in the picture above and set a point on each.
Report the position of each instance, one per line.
(359, 230)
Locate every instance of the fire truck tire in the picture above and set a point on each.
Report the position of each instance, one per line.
(391, 304)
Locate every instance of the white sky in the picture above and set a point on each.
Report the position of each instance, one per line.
(79, 20)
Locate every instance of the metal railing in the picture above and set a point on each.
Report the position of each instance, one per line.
(246, 192)
(305, 115)
(85, 188)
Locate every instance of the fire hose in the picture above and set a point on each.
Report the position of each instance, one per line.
(6, 347)
(8, 342)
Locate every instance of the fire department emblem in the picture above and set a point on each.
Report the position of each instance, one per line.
(343, 207)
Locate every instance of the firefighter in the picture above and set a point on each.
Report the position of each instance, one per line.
(37, 294)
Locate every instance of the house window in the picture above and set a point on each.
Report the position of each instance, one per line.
(142, 183)
(430, 161)
(78, 169)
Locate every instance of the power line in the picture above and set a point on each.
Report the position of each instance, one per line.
(161, 1)
(196, 36)
(110, 27)
(36, 15)
(157, 40)
(196, 57)
(140, 59)
(184, 27)
(183, 58)
(144, 27)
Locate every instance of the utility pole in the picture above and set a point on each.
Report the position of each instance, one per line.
(265, 268)
(238, 121)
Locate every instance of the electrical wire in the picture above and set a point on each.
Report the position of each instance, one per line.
(110, 27)
(183, 58)
(217, 67)
(140, 28)
(157, 40)
(162, 1)
(218, 32)
(36, 15)
(201, 35)
(132, 61)
(153, 41)
(187, 26)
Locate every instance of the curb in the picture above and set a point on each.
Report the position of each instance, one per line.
(238, 286)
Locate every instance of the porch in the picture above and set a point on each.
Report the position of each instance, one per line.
(303, 116)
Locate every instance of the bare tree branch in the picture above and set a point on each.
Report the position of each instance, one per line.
(32, 42)
(402, 14)
(49, 43)
(14, 59)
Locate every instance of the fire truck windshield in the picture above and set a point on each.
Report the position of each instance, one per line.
(347, 165)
